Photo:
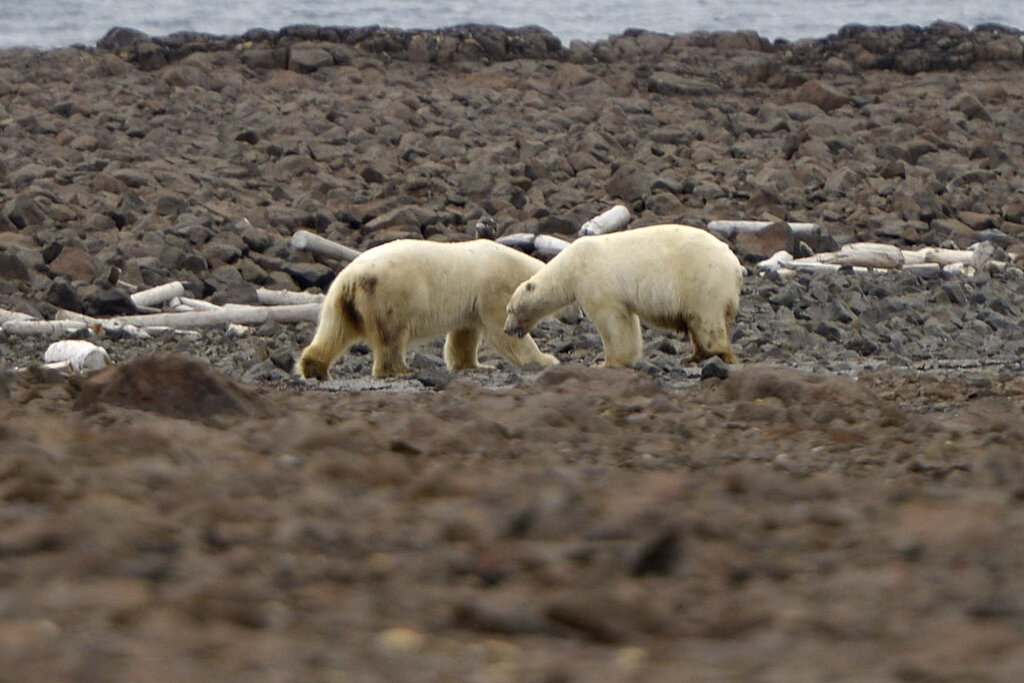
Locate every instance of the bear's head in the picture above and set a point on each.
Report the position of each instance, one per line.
(523, 309)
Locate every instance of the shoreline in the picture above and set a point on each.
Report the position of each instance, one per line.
(940, 45)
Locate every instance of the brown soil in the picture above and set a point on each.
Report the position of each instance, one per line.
(585, 525)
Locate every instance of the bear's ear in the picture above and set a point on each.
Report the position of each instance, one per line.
(529, 286)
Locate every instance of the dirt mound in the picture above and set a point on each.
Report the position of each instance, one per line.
(176, 385)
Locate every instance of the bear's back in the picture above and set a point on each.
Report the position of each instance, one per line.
(471, 258)
(654, 244)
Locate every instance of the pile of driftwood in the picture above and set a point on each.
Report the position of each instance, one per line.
(861, 256)
(166, 309)
(865, 256)
(178, 312)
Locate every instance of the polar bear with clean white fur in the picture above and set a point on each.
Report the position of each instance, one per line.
(409, 291)
(674, 277)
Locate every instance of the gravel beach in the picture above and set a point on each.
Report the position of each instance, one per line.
(844, 504)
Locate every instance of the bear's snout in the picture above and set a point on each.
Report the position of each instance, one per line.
(513, 327)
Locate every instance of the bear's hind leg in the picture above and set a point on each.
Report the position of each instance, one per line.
(335, 333)
(460, 348)
(389, 348)
(620, 332)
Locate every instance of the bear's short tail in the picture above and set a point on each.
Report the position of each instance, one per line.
(348, 313)
(340, 325)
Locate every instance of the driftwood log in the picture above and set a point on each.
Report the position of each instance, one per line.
(615, 218)
(304, 240)
(53, 328)
(77, 355)
(808, 232)
(865, 256)
(159, 294)
(277, 297)
(7, 316)
(227, 314)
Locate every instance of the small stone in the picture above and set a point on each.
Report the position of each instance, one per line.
(399, 640)
(630, 660)
(714, 367)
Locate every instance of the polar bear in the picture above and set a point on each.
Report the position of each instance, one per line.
(674, 277)
(408, 290)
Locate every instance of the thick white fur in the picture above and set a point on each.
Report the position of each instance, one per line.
(674, 277)
(408, 291)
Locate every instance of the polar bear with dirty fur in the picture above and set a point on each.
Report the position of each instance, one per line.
(673, 277)
(409, 291)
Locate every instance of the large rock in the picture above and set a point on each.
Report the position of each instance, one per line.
(13, 268)
(75, 264)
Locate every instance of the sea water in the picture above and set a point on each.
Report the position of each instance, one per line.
(57, 23)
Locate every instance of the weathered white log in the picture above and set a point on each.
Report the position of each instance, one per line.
(79, 354)
(545, 247)
(783, 260)
(776, 261)
(959, 269)
(611, 220)
(198, 304)
(112, 326)
(159, 294)
(232, 313)
(305, 240)
(64, 314)
(913, 257)
(813, 266)
(280, 297)
(523, 241)
(151, 331)
(866, 254)
(944, 256)
(728, 229)
(43, 327)
(6, 315)
(177, 305)
(923, 268)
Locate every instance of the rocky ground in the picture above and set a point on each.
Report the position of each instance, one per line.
(844, 505)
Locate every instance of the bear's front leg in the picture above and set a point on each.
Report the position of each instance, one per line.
(621, 335)
(522, 351)
(460, 348)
